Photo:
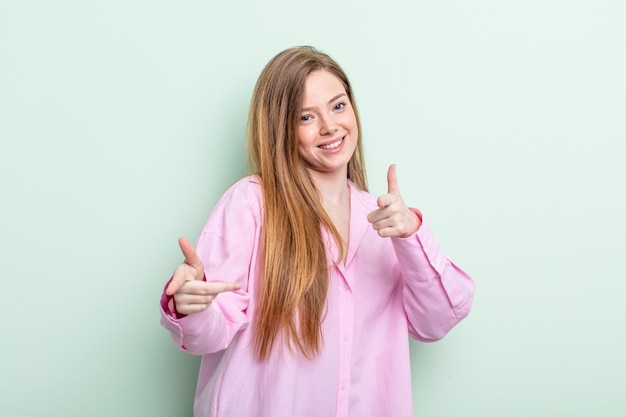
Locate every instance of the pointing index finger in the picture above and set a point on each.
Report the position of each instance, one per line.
(217, 287)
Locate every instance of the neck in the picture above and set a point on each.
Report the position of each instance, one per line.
(332, 187)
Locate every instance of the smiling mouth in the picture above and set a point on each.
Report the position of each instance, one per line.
(332, 145)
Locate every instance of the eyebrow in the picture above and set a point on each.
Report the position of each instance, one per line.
(329, 101)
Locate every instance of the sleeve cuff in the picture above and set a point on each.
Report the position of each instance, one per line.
(168, 304)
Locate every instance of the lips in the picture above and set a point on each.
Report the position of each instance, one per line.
(332, 145)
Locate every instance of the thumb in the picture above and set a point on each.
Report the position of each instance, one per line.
(191, 269)
(392, 181)
(191, 257)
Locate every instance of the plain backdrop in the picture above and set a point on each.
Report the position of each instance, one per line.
(122, 122)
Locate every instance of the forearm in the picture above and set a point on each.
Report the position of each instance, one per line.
(207, 331)
(437, 294)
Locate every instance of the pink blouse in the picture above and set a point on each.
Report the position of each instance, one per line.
(387, 289)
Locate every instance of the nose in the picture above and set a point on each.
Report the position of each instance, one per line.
(328, 126)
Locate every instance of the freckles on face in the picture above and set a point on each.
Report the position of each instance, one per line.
(327, 129)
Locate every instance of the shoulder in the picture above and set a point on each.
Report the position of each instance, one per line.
(247, 189)
(242, 200)
(234, 222)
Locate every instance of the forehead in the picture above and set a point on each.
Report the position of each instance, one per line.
(322, 85)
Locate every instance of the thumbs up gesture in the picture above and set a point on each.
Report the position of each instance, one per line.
(393, 218)
(191, 293)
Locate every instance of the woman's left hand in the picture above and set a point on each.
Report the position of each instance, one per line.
(393, 218)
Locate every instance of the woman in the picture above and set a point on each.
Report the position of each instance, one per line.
(303, 287)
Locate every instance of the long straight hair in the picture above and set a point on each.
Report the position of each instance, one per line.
(294, 281)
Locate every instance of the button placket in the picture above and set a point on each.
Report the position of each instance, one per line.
(346, 324)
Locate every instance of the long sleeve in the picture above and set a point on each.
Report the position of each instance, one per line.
(227, 246)
(437, 294)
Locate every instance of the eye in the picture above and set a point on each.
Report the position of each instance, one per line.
(339, 106)
(305, 118)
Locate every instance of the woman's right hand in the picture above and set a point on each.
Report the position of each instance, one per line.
(191, 293)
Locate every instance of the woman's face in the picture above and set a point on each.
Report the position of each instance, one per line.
(327, 130)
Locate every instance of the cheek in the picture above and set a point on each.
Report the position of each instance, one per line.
(304, 136)
(350, 119)
(354, 127)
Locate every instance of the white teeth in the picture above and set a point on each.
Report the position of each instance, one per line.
(332, 145)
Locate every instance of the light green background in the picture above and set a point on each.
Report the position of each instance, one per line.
(122, 122)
